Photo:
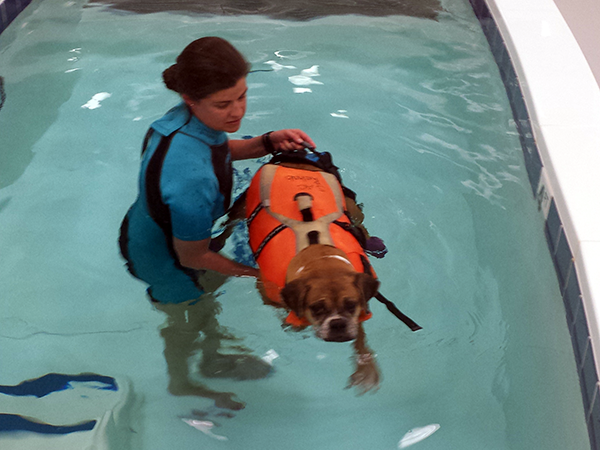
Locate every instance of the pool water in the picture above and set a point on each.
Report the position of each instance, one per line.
(415, 114)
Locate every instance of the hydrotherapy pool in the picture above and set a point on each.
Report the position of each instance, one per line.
(415, 113)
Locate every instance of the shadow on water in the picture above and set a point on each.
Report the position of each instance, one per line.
(301, 10)
(19, 137)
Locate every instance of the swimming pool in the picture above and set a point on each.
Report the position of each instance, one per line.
(414, 112)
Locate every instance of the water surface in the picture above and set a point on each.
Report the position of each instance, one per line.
(415, 114)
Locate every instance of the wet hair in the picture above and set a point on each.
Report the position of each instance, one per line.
(206, 66)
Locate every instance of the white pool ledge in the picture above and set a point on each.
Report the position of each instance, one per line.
(563, 99)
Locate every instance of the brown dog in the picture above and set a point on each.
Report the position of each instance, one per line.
(312, 266)
(299, 223)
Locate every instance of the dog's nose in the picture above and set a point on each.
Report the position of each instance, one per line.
(338, 325)
(338, 331)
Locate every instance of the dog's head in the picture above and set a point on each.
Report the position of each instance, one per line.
(332, 305)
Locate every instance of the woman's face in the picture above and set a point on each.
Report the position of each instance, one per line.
(223, 110)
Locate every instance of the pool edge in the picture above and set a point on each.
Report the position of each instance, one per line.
(9, 10)
(553, 117)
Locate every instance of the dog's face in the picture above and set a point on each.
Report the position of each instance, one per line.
(331, 304)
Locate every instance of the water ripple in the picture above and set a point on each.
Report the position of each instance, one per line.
(18, 329)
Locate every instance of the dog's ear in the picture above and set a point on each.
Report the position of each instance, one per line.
(293, 295)
(367, 284)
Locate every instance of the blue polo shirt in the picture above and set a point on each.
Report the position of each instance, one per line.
(184, 186)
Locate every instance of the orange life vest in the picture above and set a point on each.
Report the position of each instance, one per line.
(277, 229)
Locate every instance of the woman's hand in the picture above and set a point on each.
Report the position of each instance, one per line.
(197, 255)
(280, 141)
(290, 139)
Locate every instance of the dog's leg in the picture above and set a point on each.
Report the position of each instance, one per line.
(366, 376)
(356, 216)
(374, 246)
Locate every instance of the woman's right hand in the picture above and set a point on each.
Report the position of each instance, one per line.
(290, 139)
(197, 255)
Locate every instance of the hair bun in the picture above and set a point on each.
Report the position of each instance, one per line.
(205, 66)
(171, 77)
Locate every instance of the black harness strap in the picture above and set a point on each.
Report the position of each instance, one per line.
(396, 312)
(388, 304)
(313, 237)
(355, 232)
(270, 236)
(307, 215)
(254, 213)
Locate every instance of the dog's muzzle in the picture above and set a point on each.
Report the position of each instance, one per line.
(337, 329)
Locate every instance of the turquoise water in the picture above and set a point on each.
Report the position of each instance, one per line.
(415, 114)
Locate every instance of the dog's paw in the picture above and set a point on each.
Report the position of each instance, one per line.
(375, 247)
(366, 376)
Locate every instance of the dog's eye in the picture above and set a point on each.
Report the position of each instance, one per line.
(318, 309)
(350, 305)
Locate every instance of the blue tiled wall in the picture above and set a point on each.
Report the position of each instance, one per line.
(558, 243)
(9, 9)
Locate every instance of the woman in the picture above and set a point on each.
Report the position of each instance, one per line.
(185, 185)
(186, 175)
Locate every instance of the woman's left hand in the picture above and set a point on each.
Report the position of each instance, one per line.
(290, 140)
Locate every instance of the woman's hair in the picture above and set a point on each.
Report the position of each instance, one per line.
(206, 66)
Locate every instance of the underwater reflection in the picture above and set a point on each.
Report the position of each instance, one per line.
(192, 327)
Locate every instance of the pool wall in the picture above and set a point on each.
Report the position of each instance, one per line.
(9, 9)
(556, 106)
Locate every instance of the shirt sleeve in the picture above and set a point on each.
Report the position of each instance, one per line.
(189, 188)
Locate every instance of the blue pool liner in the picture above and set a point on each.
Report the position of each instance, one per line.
(53, 382)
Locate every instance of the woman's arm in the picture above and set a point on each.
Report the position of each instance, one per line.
(281, 140)
(196, 255)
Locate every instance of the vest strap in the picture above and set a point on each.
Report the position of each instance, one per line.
(270, 236)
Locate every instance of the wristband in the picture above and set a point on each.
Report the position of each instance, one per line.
(268, 143)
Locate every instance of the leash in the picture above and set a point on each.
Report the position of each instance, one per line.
(396, 312)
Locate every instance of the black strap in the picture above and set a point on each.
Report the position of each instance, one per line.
(123, 240)
(158, 210)
(223, 168)
(146, 140)
(268, 143)
(270, 236)
(396, 312)
(254, 213)
(388, 304)
(313, 237)
(354, 231)
(321, 160)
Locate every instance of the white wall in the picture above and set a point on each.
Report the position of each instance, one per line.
(583, 18)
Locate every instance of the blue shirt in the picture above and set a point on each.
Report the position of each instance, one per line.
(193, 188)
